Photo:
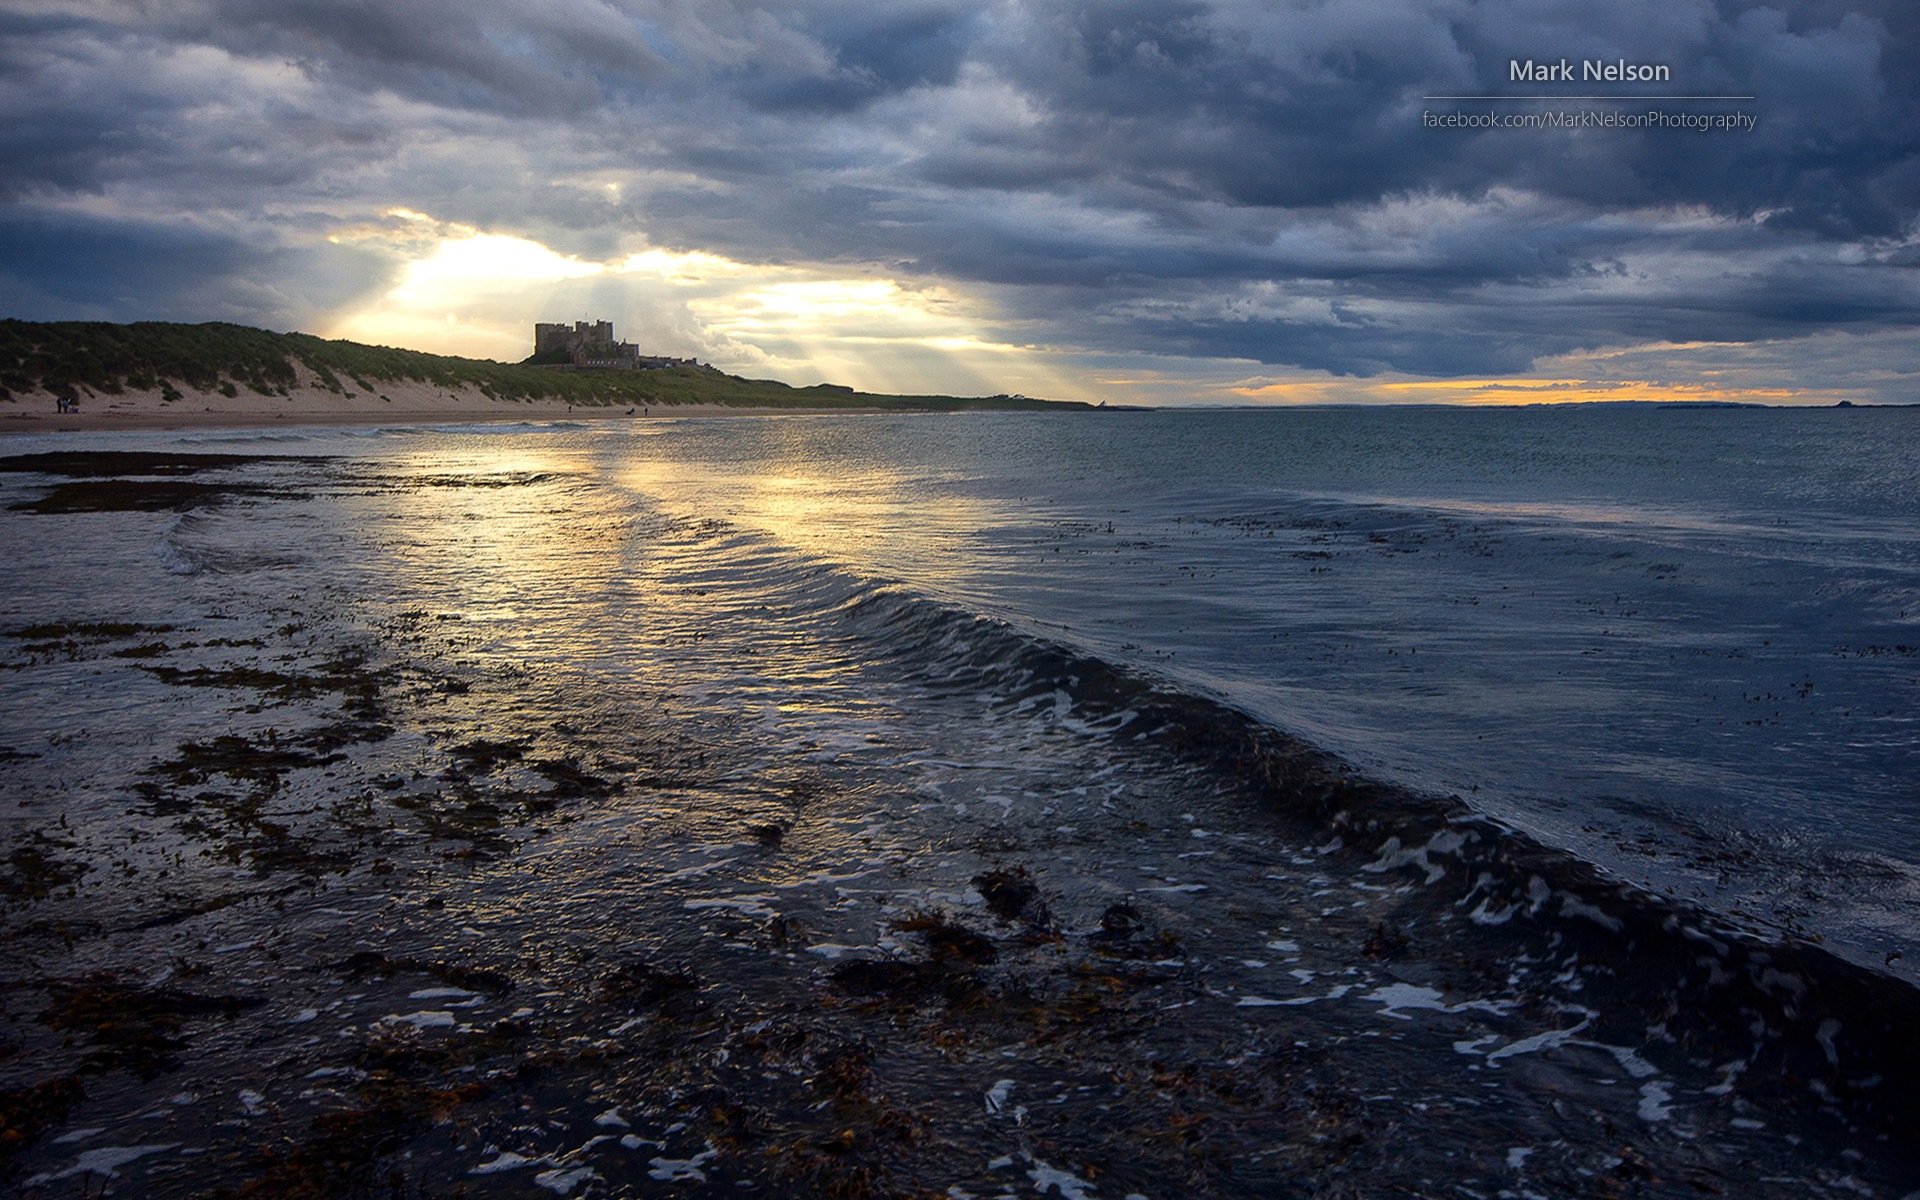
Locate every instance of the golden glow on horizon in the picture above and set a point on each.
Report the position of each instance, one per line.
(1496, 392)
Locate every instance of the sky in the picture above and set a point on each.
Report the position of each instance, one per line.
(1241, 201)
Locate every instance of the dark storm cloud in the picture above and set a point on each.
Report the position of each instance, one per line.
(1238, 178)
(528, 56)
(874, 53)
(77, 268)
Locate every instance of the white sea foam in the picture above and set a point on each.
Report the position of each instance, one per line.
(106, 1160)
(1048, 1178)
(756, 905)
(682, 1170)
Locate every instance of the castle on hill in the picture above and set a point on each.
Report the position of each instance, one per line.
(591, 346)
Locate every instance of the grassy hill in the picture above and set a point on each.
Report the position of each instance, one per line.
(64, 357)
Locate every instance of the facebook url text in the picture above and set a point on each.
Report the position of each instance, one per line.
(1706, 122)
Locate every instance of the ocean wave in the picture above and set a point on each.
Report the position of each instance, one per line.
(492, 428)
(1655, 970)
(175, 557)
(215, 541)
(248, 437)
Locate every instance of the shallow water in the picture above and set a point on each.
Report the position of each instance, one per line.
(1684, 643)
(890, 805)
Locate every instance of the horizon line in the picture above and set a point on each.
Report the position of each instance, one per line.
(1557, 97)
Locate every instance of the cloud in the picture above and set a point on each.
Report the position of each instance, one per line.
(474, 293)
(1232, 180)
(63, 265)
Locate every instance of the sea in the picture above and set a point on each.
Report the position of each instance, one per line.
(1296, 802)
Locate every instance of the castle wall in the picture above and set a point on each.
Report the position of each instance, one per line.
(591, 346)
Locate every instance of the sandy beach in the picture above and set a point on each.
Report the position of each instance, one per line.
(395, 402)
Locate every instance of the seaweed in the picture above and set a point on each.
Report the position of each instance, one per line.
(345, 674)
(134, 495)
(478, 979)
(32, 873)
(469, 816)
(1385, 942)
(893, 978)
(571, 782)
(28, 1112)
(865, 1126)
(134, 1029)
(949, 972)
(1011, 894)
(948, 939)
(641, 985)
(769, 834)
(1125, 933)
(197, 908)
(149, 650)
(243, 818)
(75, 640)
(484, 755)
(82, 464)
(238, 758)
(139, 481)
(282, 685)
(346, 1154)
(82, 631)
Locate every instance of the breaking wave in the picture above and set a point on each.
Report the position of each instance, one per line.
(1638, 968)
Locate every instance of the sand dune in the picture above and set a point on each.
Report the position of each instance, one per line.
(394, 401)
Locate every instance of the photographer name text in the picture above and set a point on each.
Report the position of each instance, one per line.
(1590, 70)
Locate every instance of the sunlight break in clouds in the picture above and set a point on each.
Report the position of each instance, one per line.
(459, 290)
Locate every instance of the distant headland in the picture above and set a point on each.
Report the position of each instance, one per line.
(90, 374)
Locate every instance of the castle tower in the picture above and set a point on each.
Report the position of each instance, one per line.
(586, 343)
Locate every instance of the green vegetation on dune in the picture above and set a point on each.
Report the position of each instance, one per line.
(66, 357)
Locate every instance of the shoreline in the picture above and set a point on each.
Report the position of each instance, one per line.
(402, 403)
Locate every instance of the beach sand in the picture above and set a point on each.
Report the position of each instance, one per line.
(395, 402)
